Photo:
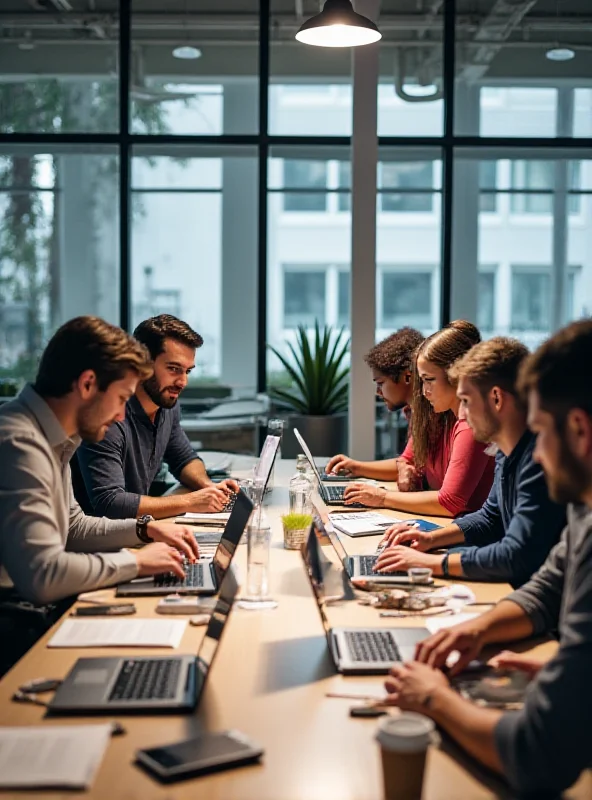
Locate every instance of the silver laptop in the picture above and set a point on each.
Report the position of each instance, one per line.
(358, 566)
(145, 683)
(332, 494)
(205, 575)
(357, 651)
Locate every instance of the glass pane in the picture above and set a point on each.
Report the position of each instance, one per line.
(308, 253)
(343, 299)
(507, 82)
(535, 272)
(304, 297)
(194, 253)
(485, 301)
(195, 67)
(487, 184)
(59, 248)
(406, 299)
(305, 175)
(530, 300)
(410, 81)
(408, 240)
(57, 75)
(310, 87)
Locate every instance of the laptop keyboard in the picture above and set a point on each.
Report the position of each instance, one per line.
(335, 494)
(194, 577)
(230, 504)
(367, 567)
(367, 646)
(147, 680)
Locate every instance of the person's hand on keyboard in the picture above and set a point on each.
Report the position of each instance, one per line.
(181, 537)
(211, 499)
(342, 464)
(158, 558)
(364, 493)
(400, 559)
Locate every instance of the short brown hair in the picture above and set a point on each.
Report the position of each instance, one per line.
(89, 343)
(492, 363)
(394, 355)
(560, 372)
(154, 331)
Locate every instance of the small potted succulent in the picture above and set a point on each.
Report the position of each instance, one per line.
(296, 528)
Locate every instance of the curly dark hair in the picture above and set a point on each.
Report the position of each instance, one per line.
(394, 355)
(153, 332)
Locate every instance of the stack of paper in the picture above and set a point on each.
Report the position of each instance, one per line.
(52, 756)
(119, 633)
(218, 520)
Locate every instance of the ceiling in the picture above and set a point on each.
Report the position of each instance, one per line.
(497, 40)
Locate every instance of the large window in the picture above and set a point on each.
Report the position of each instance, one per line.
(194, 251)
(59, 247)
(405, 297)
(299, 178)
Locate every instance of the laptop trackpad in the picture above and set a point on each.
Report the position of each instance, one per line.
(91, 677)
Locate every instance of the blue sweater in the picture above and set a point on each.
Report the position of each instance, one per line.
(510, 537)
(118, 470)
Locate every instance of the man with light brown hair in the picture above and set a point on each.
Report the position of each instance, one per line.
(511, 535)
(49, 549)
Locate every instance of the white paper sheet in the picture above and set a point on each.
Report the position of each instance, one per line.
(65, 756)
(434, 624)
(362, 522)
(118, 633)
(193, 518)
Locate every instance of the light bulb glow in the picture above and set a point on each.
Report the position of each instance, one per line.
(186, 52)
(338, 36)
(560, 54)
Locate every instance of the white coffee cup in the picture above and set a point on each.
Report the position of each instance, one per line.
(404, 740)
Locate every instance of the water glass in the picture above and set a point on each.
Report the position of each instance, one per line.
(258, 547)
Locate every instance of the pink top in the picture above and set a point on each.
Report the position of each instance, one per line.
(461, 471)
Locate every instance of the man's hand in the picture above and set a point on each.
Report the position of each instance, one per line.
(209, 500)
(364, 493)
(156, 558)
(410, 686)
(228, 484)
(467, 639)
(342, 463)
(522, 661)
(402, 533)
(398, 558)
(180, 537)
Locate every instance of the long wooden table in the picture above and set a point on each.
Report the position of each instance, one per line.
(270, 680)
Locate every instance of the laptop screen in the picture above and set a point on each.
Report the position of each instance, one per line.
(237, 522)
(266, 461)
(211, 641)
(324, 521)
(311, 556)
(308, 455)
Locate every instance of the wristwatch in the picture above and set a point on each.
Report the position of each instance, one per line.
(142, 528)
(444, 566)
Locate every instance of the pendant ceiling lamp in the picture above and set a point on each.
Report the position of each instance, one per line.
(338, 25)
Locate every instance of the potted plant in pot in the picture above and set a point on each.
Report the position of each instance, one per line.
(318, 395)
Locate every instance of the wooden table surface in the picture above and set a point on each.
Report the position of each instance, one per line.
(269, 681)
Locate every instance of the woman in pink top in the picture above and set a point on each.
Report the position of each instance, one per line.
(441, 448)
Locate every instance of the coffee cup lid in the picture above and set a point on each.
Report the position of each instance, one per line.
(405, 733)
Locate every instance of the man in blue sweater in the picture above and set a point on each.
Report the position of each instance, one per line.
(510, 537)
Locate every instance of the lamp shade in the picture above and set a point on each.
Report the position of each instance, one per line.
(338, 25)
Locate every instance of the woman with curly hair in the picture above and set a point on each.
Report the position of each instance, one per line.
(455, 470)
(391, 362)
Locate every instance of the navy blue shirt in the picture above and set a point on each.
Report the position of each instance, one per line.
(510, 537)
(118, 470)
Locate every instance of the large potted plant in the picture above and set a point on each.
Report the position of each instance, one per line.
(318, 395)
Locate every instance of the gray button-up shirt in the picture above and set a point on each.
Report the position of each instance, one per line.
(48, 548)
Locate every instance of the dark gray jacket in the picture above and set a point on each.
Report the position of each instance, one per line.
(545, 746)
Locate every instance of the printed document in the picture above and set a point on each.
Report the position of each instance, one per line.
(119, 633)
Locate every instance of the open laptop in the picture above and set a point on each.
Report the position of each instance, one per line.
(145, 683)
(357, 651)
(332, 494)
(205, 575)
(358, 566)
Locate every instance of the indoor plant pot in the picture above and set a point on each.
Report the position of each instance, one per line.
(318, 394)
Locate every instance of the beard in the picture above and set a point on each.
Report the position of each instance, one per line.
(91, 424)
(157, 395)
(487, 428)
(571, 480)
